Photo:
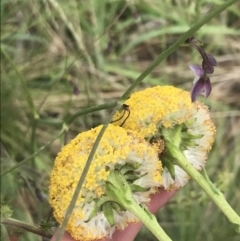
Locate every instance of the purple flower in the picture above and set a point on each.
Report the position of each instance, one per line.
(201, 83)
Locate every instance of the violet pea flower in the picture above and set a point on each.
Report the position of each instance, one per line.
(201, 83)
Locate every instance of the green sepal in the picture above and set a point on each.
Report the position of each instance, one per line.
(183, 147)
(210, 182)
(188, 143)
(137, 188)
(118, 188)
(117, 207)
(108, 213)
(169, 165)
(189, 136)
(131, 176)
(97, 206)
(129, 167)
(189, 122)
(172, 134)
(146, 210)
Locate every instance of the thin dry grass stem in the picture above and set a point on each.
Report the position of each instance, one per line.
(77, 34)
(113, 22)
(25, 226)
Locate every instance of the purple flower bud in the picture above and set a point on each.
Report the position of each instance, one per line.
(208, 68)
(209, 64)
(211, 60)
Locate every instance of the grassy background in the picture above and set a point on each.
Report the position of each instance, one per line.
(52, 49)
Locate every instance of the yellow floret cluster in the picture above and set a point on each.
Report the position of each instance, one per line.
(150, 106)
(117, 147)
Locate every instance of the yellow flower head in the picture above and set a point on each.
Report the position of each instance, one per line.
(119, 150)
(149, 108)
(155, 112)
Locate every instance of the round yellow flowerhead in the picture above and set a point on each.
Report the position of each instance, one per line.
(167, 113)
(119, 150)
(149, 108)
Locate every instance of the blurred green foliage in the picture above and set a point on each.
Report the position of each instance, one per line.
(50, 50)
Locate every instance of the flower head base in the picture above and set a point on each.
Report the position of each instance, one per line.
(195, 138)
(119, 151)
(167, 113)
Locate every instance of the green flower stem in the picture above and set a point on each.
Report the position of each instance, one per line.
(90, 110)
(30, 228)
(149, 220)
(33, 138)
(76, 32)
(120, 192)
(205, 184)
